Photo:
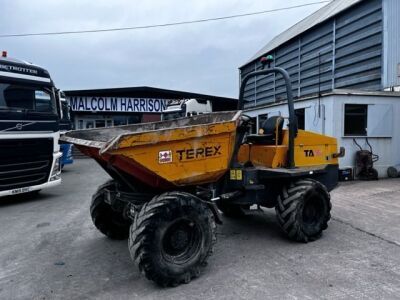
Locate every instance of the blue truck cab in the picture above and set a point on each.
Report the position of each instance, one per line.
(65, 125)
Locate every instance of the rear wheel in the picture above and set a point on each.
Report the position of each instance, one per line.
(107, 220)
(171, 238)
(303, 210)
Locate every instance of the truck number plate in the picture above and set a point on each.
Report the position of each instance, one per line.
(20, 190)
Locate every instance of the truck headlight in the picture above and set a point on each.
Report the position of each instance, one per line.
(55, 173)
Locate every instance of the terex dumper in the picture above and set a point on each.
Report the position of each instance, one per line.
(170, 177)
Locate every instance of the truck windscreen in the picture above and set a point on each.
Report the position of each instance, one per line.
(173, 115)
(19, 97)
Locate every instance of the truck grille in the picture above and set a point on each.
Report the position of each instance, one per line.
(24, 162)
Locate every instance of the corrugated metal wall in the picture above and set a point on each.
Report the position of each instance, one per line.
(343, 52)
(391, 24)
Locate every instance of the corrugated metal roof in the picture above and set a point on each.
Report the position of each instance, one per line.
(321, 15)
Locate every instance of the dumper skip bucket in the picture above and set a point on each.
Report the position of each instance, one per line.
(181, 152)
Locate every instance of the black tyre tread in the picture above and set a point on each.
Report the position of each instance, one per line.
(146, 222)
(98, 210)
(287, 203)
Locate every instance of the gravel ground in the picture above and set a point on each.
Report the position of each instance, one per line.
(50, 250)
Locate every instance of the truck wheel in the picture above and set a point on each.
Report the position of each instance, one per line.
(108, 221)
(232, 210)
(303, 210)
(171, 238)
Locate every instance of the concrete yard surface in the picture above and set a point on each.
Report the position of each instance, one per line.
(50, 250)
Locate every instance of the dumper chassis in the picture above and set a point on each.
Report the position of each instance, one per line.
(170, 178)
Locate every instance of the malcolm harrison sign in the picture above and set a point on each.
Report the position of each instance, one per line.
(117, 104)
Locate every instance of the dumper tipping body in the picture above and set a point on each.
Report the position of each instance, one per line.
(181, 152)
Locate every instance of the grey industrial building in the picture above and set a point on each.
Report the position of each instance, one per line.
(344, 63)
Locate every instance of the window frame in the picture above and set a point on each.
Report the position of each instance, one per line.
(365, 106)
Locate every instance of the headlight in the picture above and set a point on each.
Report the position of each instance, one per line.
(55, 173)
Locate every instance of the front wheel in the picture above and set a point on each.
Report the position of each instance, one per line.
(303, 210)
(171, 238)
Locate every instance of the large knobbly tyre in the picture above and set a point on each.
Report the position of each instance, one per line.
(303, 210)
(232, 210)
(108, 221)
(171, 238)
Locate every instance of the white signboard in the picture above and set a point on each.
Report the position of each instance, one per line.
(117, 104)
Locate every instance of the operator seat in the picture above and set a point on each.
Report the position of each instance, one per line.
(270, 130)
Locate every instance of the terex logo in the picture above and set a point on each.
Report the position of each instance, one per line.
(196, 153)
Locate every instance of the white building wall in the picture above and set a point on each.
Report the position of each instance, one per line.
(386, 146)
(391, 45)
(330, 121)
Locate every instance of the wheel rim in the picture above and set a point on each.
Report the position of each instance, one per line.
(181, 241)
(313, 212)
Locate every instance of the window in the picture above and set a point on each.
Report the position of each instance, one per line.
(301, 120)
(89, 124)
(21, 97)
(100, 123)
(355, 119)
(43, 101)
(17, 98)
(109, 123)
(119, 120)
(133, 119)
(172, 115)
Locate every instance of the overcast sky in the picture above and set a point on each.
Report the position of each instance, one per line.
(201, 58)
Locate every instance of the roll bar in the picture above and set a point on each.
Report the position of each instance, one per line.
(292, 116)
